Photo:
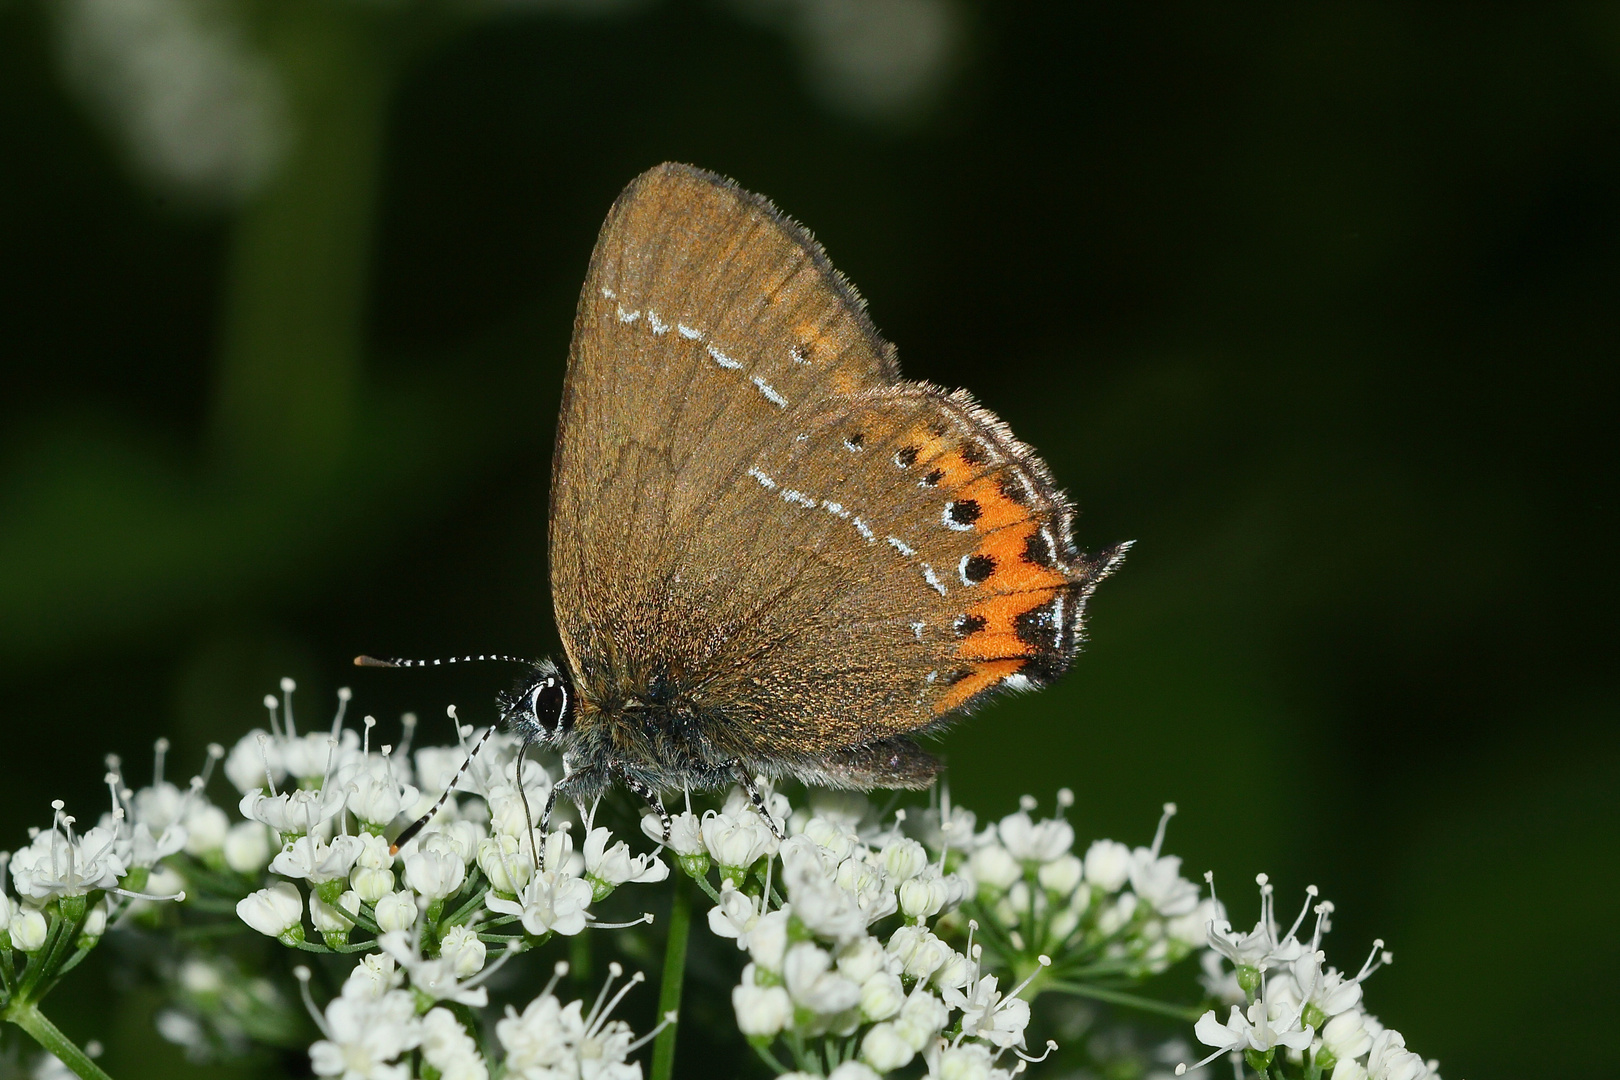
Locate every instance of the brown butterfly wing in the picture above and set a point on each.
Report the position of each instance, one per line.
(756, 523)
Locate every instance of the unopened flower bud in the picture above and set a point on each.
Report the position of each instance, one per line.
(993, 865)
(275, 912)
(922, 897)
(206, 829)
(1062, 875)
(396, 911)
(1108, 865)
(464, 951)
(507, 868)
(885, 1050)
(881, 996)
(247, 847)
(371, 885)
(334, 921)
(28, 928)
(762, 1011)
(904, 859)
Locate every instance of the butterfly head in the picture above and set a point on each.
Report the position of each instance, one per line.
(540, 708)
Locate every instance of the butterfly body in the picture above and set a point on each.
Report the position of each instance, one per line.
(771, 555)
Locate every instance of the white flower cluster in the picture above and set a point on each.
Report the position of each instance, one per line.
(318, 808)
(1115, 911)
(1294, 1014)
(71, 885)
(835, 921)
(329, 801)
(868, 944)
(373, 1026)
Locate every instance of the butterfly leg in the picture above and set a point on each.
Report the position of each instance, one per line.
(755, 797)
(652, 799)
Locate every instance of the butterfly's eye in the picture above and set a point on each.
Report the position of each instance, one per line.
(551, 705)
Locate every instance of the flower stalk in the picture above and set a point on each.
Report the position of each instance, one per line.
(27, 1016)
(669, 993)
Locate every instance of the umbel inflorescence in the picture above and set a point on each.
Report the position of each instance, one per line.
(908, 942)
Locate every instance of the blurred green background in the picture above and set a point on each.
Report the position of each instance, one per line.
(1316, 302)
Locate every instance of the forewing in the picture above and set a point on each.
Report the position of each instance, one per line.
(705, 316)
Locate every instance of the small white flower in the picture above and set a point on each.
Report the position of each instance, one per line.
(291, 813)
(685, 833)
(364, 1036)
(860, 960)
(449, 1049)
(464, 950)
(1251, 1029)
(965, 1061)
(376, 796)
(371, 885)
(372, 977)
(881, 996)
(735, 915)
(918, 951)
(923, 897)
(434, 978)
(274, 911)
(246, 763)
(332, 919)
(1389, 1059)
(206, 829)
(610, 867)
(505, 863)
(247, 847)
(836, 837)
(956, 972)
(1108, 865)
(56, 864)
(311, 859)
(812, 986)
(1062, 875)
(550, 901)
(921, 1018)
(994, 865)
(549, 1041)
(821, 905)
(885, 1049)
(737, 842)
(1262, 947)
(903, 858)
(396, 911)
(1345, 1036)
(762, 1011)
(853, 1070)
(1035, 841)
(435, 868)
(768, 939)
(987, 1015)
(28, 929)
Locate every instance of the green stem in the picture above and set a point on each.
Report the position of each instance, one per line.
(764, 1051)
(707, 888)
(1130, 1001)
(669, 995)
(28, 1017)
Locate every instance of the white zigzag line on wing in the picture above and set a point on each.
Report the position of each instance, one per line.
(659, 327)
(838, 510)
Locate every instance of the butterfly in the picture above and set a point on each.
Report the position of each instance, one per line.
(771, 555)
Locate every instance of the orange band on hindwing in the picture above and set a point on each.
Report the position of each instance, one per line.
(1021, 611)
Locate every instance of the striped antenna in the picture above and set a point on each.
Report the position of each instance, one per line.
(420, 823)
(372, 661)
